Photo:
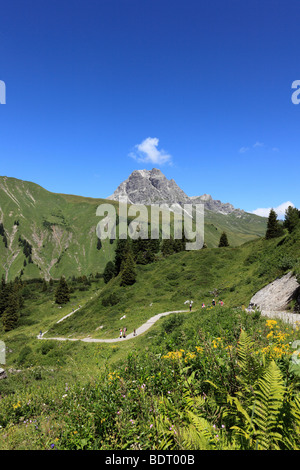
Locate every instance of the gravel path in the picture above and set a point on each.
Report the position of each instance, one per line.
(139, 330)
(288, 317)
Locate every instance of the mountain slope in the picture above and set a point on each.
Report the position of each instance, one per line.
(49, 235)
(233, 275)
(61, 235)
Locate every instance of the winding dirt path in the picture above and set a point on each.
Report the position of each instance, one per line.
(139, 330)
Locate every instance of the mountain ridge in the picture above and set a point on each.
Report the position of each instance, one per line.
(151, 186)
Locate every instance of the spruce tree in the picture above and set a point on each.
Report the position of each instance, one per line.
(62, 294)
(223, 240)
(292, 218)
(10, 315)
(3, 295)
(128, 274)
(109, 271)
(274, 229)
(121, 252)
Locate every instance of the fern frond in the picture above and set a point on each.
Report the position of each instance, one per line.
(268, 406)
(244, 349)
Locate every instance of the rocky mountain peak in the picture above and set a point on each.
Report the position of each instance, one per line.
(152, 187)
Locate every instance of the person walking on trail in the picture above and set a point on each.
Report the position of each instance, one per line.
(124, 332)
(191, 303)
(121, 333)
(213, 302)
(134, 332)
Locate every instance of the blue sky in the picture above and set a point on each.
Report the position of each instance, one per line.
(200, 89)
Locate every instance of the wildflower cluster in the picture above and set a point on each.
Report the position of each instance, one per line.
(182, 355)
(278, 346)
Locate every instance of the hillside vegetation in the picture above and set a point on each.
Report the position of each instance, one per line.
(213, 378)
(48, 235)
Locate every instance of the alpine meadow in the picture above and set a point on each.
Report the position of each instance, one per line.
(205, 375)
(150, 230)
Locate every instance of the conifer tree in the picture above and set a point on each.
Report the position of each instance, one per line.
(62, 294)
(122, 249)
(292, 218)
(274, 229)
(3, 295)
(109, 271)
(10, 315)
(223, 240)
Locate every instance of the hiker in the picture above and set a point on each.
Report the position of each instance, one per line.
(203, 305)
(41, 333)
(221, 303)
(191, 306)
(124, 332)
(134, 332)
(213, 302)
(121, 333)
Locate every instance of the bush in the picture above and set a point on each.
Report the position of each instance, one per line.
(111, 299)
(24, 356)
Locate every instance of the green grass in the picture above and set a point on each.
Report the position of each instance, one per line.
(233, 275)
(40, 371)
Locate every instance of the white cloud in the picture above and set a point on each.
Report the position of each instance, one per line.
(243, 149)
(258, 144)
(280, 210)
(148, 152)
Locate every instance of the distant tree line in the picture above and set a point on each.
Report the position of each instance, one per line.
(130, 252)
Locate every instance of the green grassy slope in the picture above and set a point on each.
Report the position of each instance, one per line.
(62, 234)
(233, 275)
(61, 229)
(41, 374)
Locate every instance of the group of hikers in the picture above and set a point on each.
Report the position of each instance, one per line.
(221, 303)
(214, 303)
(123, 332)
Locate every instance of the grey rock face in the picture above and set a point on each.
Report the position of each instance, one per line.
(152, 187)
(277, 295)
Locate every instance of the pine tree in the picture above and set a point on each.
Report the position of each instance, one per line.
(121, 252)
(223, 240)
(3, 295)
(10, 315)
(128, 274)
(62, 294)
(274, 229)
(109, 271)
(292, 218)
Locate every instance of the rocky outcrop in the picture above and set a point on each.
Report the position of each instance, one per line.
(278, 294)
(152, 187)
